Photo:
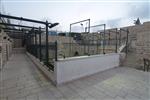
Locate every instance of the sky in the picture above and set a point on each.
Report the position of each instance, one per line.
(116, 13)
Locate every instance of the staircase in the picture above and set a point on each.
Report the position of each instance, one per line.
(121, 48)
(132, 60)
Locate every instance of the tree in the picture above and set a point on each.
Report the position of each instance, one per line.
(137, 22)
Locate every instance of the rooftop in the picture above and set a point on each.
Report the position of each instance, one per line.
(22, 80)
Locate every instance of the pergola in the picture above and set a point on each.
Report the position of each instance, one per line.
(27, 32)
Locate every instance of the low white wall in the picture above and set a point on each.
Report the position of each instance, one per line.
(69, 69)
(74, 68)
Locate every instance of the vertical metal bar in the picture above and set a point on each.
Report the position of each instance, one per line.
(120, 38)
(104, 40)
(93, 42)
(100, 42)
(109, 39)
(97, 43)
(88, 36)
(127, 42)
(40, 43)
(36, 45)
(89, 26)
(27, 41)
(70, 41)
(83, 42)
(116, 41)
(32, 42)
(33, 45)
(56, 51)
(47, 52)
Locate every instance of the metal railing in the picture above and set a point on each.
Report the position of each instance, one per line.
(31, 36)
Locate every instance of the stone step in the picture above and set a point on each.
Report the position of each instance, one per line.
(131, 60)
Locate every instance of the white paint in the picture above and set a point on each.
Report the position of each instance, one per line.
(74, 68)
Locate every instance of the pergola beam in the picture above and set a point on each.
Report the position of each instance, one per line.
(22, 19)
(6, 24)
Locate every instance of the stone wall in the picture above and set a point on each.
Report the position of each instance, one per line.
(5, 48)
(143, 41)
(61, 39)
(139, 39)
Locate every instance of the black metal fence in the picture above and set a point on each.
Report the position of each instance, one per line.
(39, 51)
(80, 45)
(85, 45)
(30, 34)
(38, 48)
(90, 48)
(92, 44)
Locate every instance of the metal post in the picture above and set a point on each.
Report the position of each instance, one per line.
(70, 41)
(120, 38)
(100, 42)
(56, 51)
(47, 53)
(109, 39)
(97, 43)
(35, 45)
(104, 40)
(32, 42)
(116, 41)
(28, 43)
(40, 42)
(127, 42)
(88, 37)
(33, 50)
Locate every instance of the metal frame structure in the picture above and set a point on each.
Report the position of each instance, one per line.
(104, 25)
(23, 26)
(86, 20)
(116, 32)
(47, 25)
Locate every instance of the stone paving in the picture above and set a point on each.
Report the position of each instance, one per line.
(21, 80)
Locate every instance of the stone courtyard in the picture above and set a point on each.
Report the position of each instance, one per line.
(24, 77)
(21, 80)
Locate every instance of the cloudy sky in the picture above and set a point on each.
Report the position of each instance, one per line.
(116, 13)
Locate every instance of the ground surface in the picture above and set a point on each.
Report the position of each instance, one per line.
(21, 80)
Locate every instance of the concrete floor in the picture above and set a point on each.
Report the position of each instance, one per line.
(21, 80)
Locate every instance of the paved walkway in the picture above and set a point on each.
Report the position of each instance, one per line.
(21, 80)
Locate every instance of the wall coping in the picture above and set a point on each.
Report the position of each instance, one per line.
(84, 57)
